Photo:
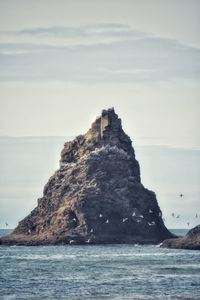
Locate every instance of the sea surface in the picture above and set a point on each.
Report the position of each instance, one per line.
(98, 272)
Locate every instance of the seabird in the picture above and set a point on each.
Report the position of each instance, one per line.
(160, 214)
(124, 220)
(6, 224)
(172, 214)
(88, 241)
(107, 221)
(196, 216)
(71, 242)
(134, 214)
(100, 215)
(150, 211)
(92, 230)
(178, 217)
(29, 231)
(188, 223)
(151, 223)
(181, 195)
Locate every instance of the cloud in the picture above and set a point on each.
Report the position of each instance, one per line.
(90, 30)
(134, 56)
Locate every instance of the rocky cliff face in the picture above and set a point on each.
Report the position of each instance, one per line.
(191, 241)
(96, 196)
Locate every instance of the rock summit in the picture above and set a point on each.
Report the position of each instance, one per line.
(96, 196)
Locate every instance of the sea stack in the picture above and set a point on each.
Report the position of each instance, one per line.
(190, 242)
(96, 196)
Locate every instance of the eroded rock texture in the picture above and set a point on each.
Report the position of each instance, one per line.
(96, 196)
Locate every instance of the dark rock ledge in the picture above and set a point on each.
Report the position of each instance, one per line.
(190, 242)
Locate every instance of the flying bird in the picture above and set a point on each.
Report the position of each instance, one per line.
(181, 195)
(124, 220)
(188, 223)
(172, 214)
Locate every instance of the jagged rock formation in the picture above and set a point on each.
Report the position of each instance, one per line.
(96, 196)
(191, 241)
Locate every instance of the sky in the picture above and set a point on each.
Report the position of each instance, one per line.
(62, 62)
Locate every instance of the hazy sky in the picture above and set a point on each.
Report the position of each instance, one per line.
(62, 62)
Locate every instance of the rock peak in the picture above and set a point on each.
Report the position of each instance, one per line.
(105, 131)
(107, 123)
(96, 196)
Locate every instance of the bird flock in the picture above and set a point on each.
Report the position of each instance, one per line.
(177, 216)
(138, 217)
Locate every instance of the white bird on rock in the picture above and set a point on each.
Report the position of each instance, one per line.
(92, 230)
(71, 242)
(100, 215)
(124, 220)
(151, 223)
(107, 221)
(150, 211)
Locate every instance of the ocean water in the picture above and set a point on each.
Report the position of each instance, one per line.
(98, 272)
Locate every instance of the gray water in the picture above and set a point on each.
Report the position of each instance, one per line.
(98, 272)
